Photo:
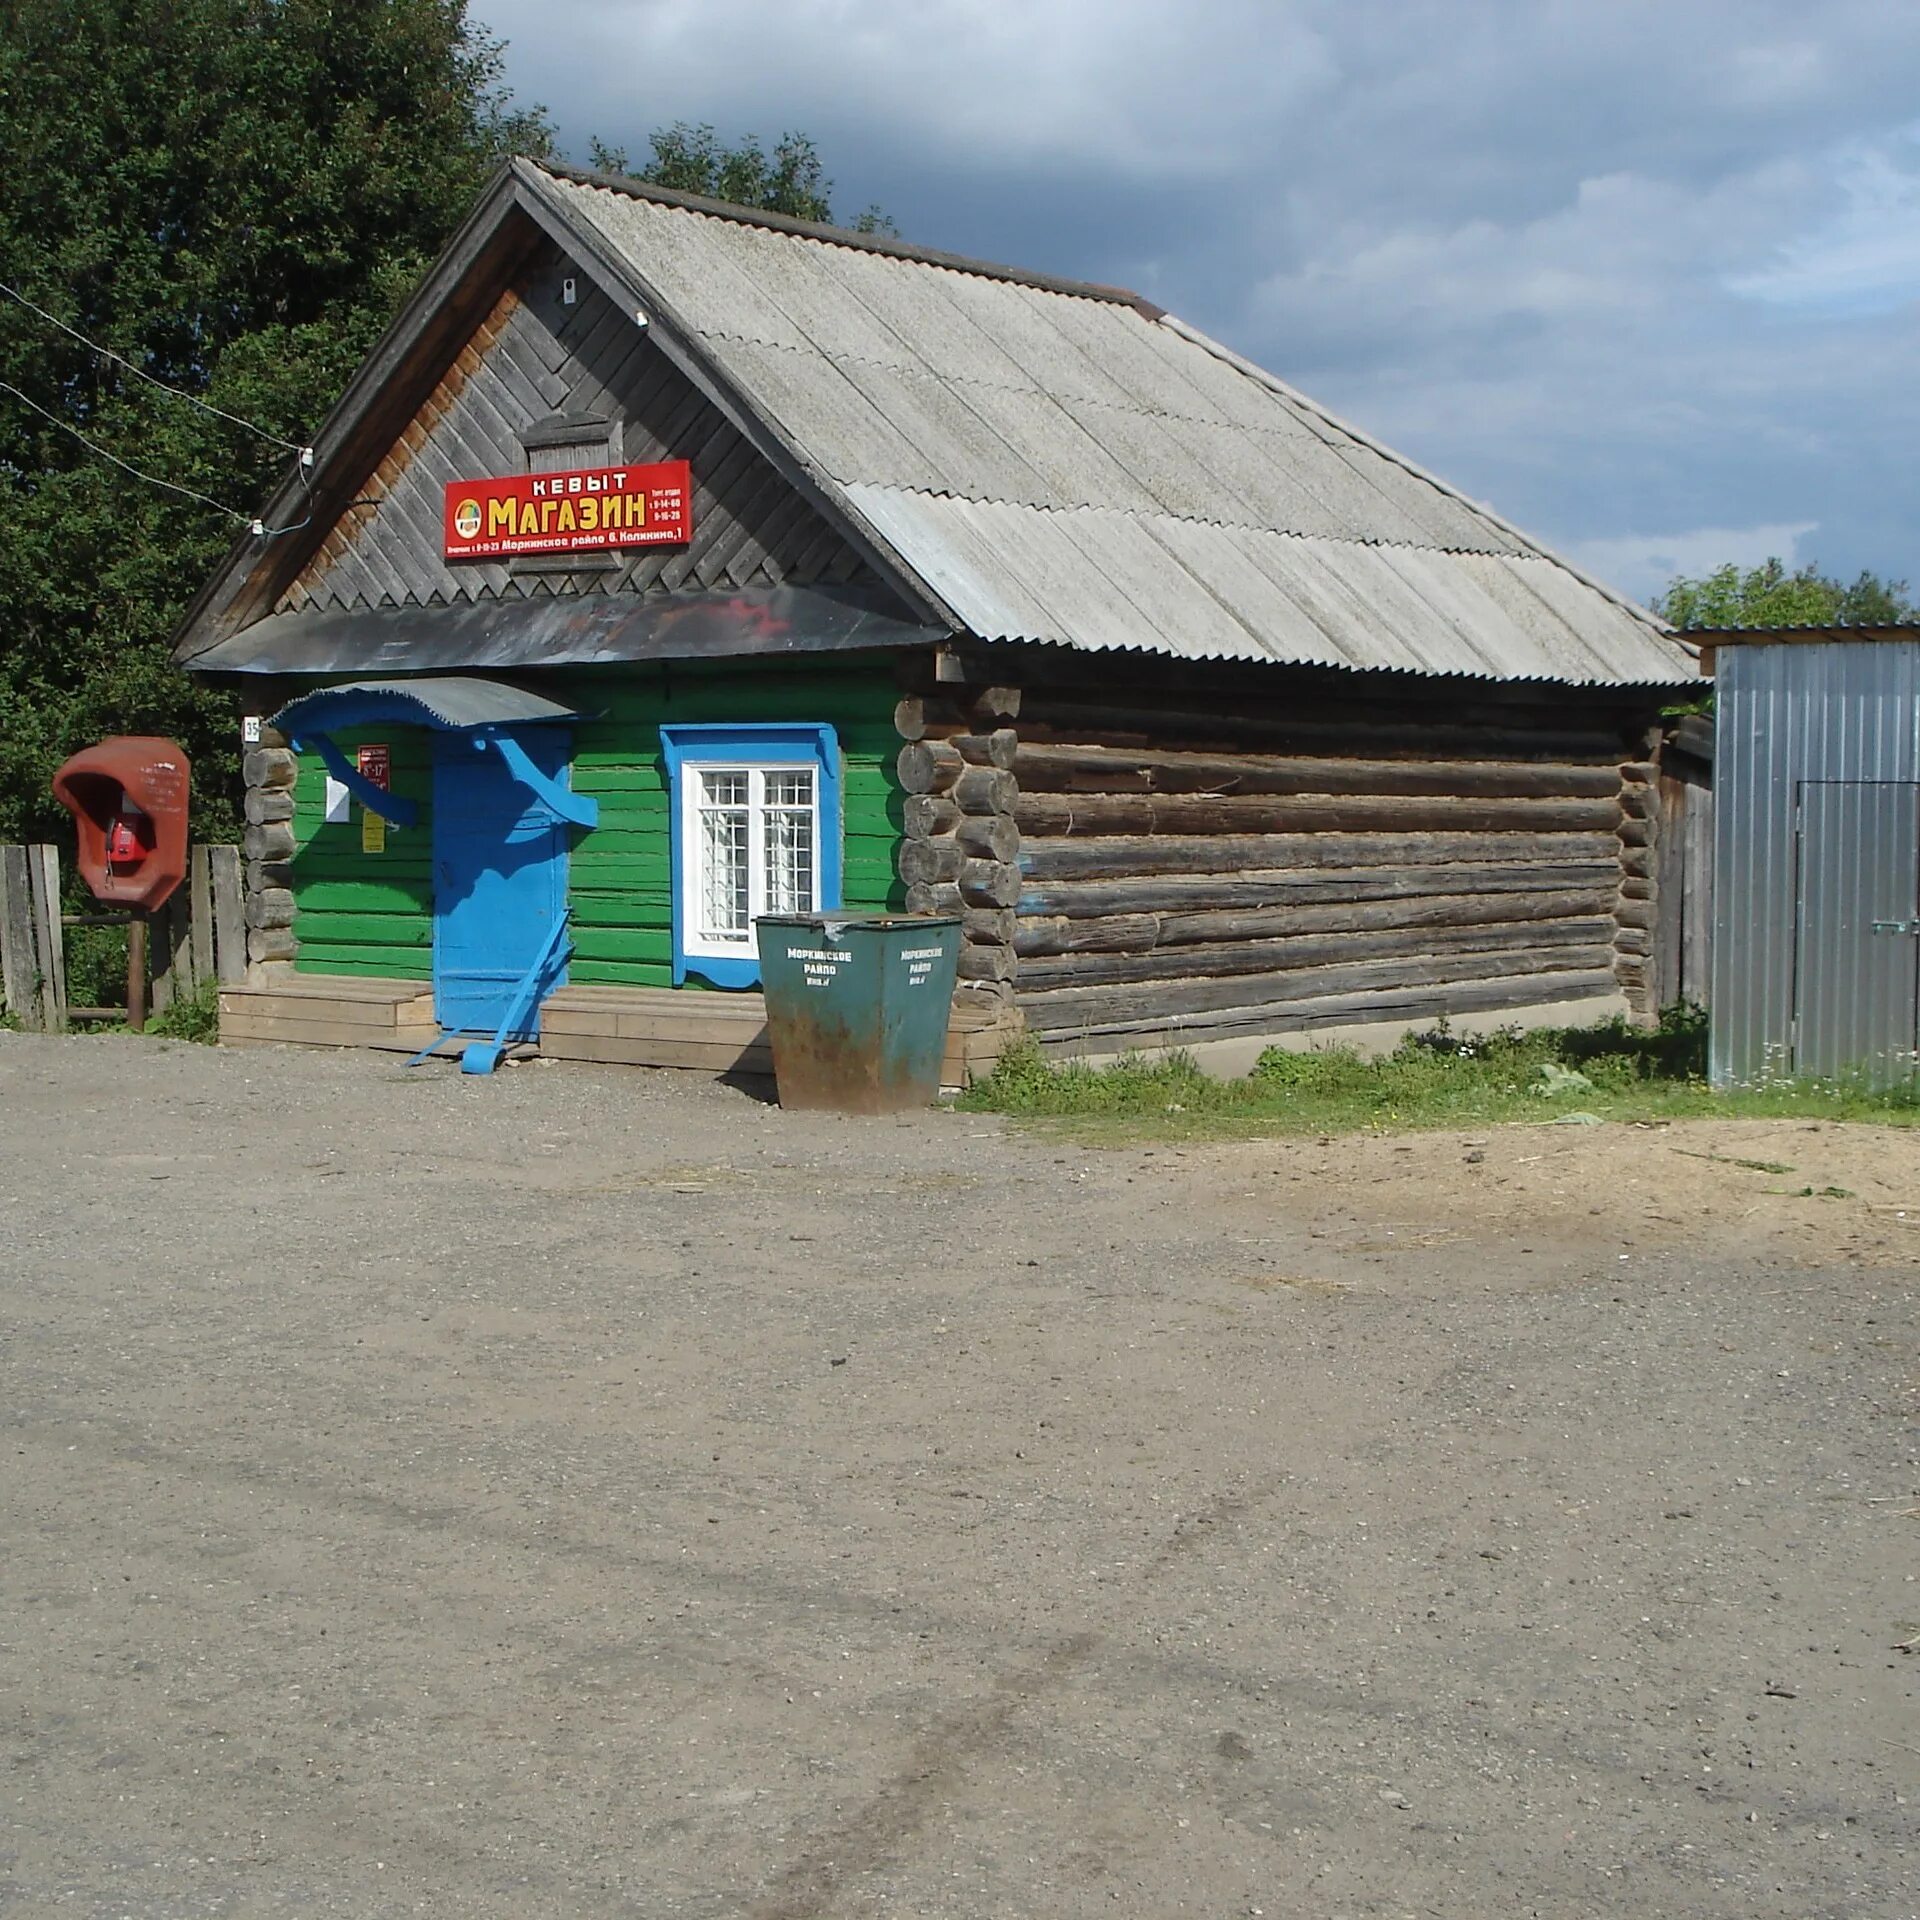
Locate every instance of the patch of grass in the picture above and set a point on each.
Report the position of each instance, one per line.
(194, 1016)
(1436, 1078)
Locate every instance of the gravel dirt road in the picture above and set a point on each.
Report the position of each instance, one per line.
(592, 1493)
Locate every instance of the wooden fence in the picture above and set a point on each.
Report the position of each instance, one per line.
(1682, 958)
(200, 935)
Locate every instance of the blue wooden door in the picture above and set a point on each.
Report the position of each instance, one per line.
(499, 874)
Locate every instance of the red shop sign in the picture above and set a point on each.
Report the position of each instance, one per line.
(582, 512)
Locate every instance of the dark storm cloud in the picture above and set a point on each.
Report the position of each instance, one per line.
(1646, 276)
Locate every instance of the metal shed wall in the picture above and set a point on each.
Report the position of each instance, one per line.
(1787, 713)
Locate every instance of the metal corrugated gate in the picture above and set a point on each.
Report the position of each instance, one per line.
(1856, 960)
(1816, 859)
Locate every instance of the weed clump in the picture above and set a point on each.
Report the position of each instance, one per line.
(1433, 1078)
(192, 1016)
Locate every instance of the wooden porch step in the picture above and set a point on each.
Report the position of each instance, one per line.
(356, 987)
(699, 1056)
(683, 1003)
(715, 1033)
(326, 1010)
(727, 1032)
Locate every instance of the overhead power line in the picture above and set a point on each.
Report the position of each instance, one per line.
(172, 486)
(178, 393)
(93, 446)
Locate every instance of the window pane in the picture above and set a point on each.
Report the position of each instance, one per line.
(754, 838)
(786, 838)
(724, 906)
(788, 842)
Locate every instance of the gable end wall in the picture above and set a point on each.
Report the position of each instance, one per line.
(534, 358)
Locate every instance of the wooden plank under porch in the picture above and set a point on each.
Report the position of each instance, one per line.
(712, 1033)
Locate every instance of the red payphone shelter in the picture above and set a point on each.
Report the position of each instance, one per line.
(128, 797)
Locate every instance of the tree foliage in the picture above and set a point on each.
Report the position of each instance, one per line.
(235, 195)
(1770, 596)
(790, 180)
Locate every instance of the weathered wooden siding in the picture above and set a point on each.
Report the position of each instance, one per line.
(1281, 858)
(1681, 892)
(532, 360)
(365, 913)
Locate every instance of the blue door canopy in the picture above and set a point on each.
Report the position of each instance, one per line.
(484, 710)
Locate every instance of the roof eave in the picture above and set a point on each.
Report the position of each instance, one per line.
(1709, 637)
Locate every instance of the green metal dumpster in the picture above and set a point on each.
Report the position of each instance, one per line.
(857, 1008)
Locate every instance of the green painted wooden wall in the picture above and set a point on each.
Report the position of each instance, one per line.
(373, 913)
(619, 882)
(357, 912)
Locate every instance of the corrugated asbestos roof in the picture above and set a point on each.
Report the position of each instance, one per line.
(1072, 467)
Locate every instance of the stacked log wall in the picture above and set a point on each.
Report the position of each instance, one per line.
(1282, 862)
(960, 839)
(271, 770)
(1637, 914)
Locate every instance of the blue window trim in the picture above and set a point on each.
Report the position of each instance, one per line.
(734, 741)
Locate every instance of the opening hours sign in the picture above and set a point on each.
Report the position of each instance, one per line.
(586, 511)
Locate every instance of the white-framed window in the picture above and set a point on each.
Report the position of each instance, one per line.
(751, 830)
(756, 830)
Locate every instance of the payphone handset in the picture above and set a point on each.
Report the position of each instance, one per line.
(130, 838)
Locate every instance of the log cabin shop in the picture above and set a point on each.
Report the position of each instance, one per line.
(668, 564)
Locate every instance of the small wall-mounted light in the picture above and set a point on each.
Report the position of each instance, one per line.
(569, 291)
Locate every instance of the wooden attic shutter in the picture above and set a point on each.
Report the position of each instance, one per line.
(570, 443)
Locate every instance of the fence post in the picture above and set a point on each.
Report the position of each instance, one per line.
(19, 970)
(137, 970)
(200, 884)
(180, 929)
(229, 916)
(160, 957)
(173, 949)
(43, 881)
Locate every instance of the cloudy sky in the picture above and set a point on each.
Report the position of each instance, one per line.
(1646, 276)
